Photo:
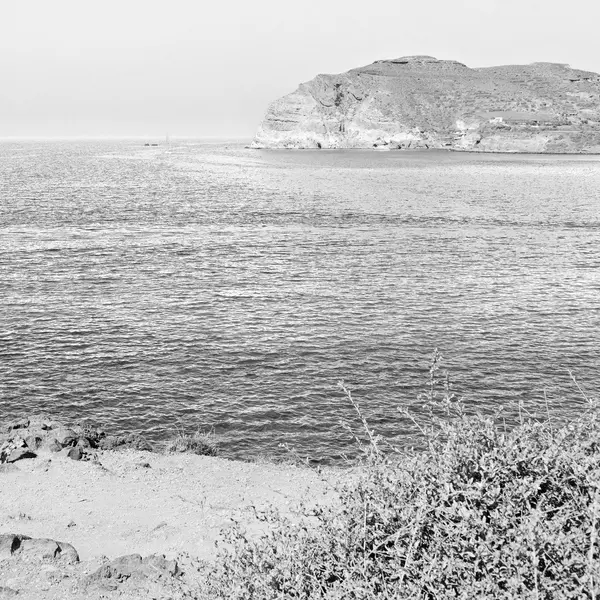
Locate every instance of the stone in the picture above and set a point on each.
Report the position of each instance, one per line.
(89, 433)
(65, 437)
(33, 442)
(33, 549)
(68, 554)
(39, 549)
(119, 569)
(161, 565)
(75, 453)
(19, 454)
(9, 544)
(52, 445)
(10, 446)
(133, 566)
(18, 424)
(42, 549)
(122, 442)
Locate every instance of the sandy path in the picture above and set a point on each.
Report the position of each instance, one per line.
(118, 506)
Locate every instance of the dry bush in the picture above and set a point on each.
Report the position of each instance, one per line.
(481, 512)
(197, 443)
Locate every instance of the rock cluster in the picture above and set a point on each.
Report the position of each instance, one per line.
(422, 102)
(38, 565)
(26, 437)
(133, 568)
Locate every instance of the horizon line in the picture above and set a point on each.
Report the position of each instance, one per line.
(121, 137)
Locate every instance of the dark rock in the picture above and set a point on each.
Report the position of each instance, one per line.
(5, 449)
(10, 446)
(68, 553)
(162, 566)
(39, 549)
(20, 453)
(33, 441)
(83, 442)
(123, 442)
(50, 425)
(154, 567)
(33, 549)
(120, 569)
(9, 544)
(71, 452)
(19, 424)
(91, 433)
(52, 445)
(65, 437)
(75, 453)
(41, 433)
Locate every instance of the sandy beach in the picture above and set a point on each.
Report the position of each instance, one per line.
(132, 502)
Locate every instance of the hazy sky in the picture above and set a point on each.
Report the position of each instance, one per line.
(197, 68)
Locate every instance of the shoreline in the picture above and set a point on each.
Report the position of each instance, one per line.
(134, 505)
(136, 524)
(78, 505)
(428, 150)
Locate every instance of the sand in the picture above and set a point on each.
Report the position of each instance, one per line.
(133, 502)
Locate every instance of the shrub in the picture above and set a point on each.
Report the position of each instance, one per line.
(480, 512)
(197, 443)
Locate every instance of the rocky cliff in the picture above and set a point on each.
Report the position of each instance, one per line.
(423, 102)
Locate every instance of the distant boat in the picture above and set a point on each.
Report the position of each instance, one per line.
(168, 144)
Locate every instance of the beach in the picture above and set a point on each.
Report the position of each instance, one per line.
(130, 502)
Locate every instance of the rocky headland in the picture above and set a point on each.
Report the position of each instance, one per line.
(419, 102)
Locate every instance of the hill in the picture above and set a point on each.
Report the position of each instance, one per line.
(422, 102)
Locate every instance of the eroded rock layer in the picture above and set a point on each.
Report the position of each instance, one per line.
(422, 102)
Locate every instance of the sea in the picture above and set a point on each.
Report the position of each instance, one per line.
(204, 286)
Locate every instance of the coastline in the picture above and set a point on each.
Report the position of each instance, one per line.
(137, 524)
(428, 150)
(116, 504)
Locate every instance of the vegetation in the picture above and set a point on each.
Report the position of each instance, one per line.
(196, 443)
(480, 512)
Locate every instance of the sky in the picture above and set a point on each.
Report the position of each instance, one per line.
(197, 68)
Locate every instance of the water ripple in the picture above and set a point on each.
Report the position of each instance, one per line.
(220, 287)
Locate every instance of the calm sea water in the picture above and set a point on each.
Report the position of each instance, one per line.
(211, 286)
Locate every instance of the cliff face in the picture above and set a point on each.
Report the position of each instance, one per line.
(422, 102)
